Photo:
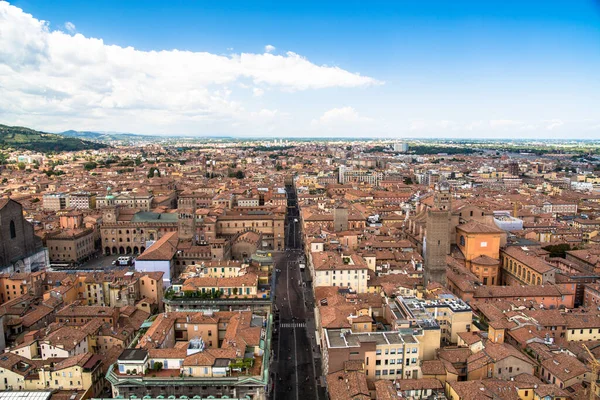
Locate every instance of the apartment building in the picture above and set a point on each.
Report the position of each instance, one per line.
(55, 201)
(114, 289)
(219, 354)
(385, 355)
(564, 370)
(335, 269)
(82, 200)
(15, 285)
(79, 373)
(441, 320)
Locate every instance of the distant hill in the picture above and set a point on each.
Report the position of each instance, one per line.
(106, 136)
(82, 134)
(28, 139)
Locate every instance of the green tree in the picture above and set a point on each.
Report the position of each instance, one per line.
(21, 166)
(90, 165)
(239, 174)
(153, 172)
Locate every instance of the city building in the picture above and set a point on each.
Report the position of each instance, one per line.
(82, 200)
(385, 355)
(55, 201)
(71, 245)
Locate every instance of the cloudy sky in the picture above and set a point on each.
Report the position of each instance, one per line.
(526, 69)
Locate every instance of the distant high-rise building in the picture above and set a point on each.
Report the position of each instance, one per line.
(437, 239)
(401, 147)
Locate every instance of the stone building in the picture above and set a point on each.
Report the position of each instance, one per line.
(127, 231)
(269, 224)
(71, 245)
(141, 201)
(20, 249)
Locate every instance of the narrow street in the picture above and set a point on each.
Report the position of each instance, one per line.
(296, 355)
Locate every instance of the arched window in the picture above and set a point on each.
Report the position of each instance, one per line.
(13, 230)
(462, 240)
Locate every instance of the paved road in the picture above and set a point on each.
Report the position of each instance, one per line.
(296, 356)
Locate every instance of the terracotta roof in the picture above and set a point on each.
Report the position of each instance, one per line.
(564, 366)
(419, 384)
(485, 260)
(527, 258)
(163, 249)
(385, 390)
(433, 367)
(477, 227)
(348, 385)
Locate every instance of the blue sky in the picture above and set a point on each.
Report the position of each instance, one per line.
(427, 68)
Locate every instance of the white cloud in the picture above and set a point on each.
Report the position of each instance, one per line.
(70, 27)
(269, 48)
(55, 80)
(257, 92)
(504, 123)
(474, 125)
(417, 125)
(553, 124)
(340, 116)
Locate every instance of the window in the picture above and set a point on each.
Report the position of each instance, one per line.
(13, 230)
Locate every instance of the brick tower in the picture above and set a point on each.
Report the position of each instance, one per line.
(186, 212)
(437, 239)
